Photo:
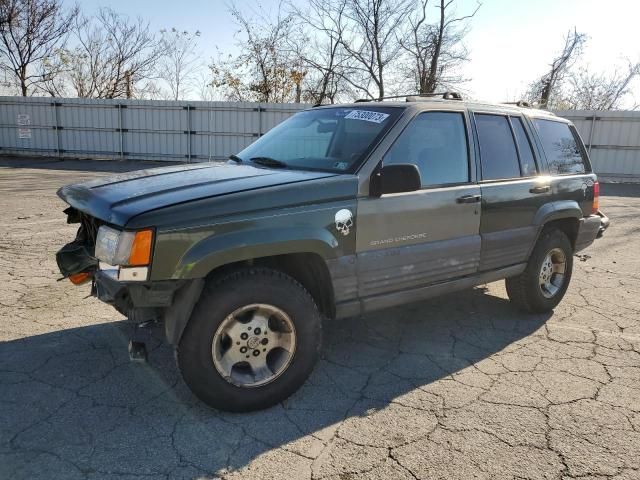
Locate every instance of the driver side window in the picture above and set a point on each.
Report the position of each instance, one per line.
(436, 142)
(311, 140)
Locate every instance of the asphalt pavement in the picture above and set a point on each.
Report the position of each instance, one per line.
(461, 386)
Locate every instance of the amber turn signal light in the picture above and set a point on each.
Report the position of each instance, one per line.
(141, 249)
(80, 278)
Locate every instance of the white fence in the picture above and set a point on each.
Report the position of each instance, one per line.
(612, 139)
(203, 131)
(134, 129)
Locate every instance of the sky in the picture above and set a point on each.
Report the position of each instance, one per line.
(511, 42)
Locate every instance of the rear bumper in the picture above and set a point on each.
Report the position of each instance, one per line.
(604, 223)
(588, 230)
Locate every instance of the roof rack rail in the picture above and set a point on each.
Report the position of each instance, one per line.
(519, 103)
(412, 97)
(444, 95)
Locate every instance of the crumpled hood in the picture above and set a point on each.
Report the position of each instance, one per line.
(119, 198)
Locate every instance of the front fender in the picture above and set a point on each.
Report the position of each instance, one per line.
(217, 250)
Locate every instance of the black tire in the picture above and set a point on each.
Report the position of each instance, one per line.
(524, 290)
(219, 299)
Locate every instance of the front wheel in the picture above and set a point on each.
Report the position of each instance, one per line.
(252, 340)
(546, 278)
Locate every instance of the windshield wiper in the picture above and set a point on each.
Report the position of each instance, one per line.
(235, 158)
(268, 162)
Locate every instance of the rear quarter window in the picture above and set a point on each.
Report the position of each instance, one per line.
(560, 145)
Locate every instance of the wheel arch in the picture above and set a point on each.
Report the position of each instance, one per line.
(217, 251)
(563, 215)
(308, 268)
(568, 225)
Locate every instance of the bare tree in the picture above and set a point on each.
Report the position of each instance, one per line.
(179, 61)
(264, 71)
(205, 88)
(114, 56)
(318, 45)
(435, 50)
(31, 31)
(598, 91)
(373, 42)
(52, 71)
(227, 80)
(543, 89)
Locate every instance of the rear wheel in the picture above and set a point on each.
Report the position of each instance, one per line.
(252, 340)
(546, 278)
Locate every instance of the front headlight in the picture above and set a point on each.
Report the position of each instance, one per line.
(117, 247)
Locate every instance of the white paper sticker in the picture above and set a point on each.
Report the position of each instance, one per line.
(367, 116)
(23, 119)
(341, 165)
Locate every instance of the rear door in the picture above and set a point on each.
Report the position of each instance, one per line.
(413, 239)
(512, 189)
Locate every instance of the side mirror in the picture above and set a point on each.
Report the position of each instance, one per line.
(399, 177)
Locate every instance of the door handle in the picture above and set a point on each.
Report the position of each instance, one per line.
(541, 189)
(469, 199)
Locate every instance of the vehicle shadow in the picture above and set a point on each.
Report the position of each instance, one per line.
(74, 397)
(620, 190)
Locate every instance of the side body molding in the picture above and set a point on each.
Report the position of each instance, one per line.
(217, 250)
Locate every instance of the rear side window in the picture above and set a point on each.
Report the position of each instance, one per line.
(436, 142)
(498, 154)
(560, 146)
(527, 161)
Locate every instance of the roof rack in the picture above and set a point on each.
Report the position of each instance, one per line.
(413, 97)
(519, 103)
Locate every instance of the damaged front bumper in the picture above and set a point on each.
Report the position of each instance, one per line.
(170, 301)
(127, 289)
(126, 296)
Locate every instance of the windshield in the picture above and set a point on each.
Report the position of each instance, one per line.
(328, 139)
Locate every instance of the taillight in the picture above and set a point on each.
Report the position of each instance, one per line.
(596, 198)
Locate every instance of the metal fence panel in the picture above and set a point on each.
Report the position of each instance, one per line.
(134, 129)
(205, 131)
(612, 139)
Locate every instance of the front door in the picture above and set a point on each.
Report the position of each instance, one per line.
(414, 239)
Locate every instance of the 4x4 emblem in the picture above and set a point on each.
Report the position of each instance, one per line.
(344, 221)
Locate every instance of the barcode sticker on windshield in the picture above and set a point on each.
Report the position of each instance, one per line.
(375, 117)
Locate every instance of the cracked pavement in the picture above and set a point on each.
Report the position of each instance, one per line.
(461, 386)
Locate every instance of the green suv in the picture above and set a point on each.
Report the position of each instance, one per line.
(336, 212)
